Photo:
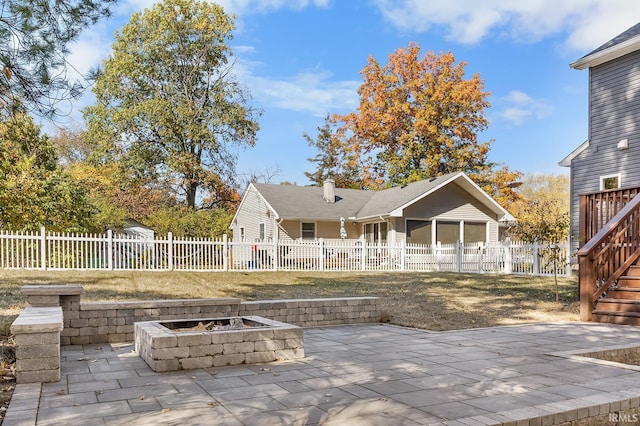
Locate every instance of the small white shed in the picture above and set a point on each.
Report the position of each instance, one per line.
(136, 229)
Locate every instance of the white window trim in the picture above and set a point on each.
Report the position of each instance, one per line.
(242, 234)
(264, 231)
(615, 175)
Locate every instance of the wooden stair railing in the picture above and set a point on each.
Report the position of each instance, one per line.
(607, 256)
(598, 208)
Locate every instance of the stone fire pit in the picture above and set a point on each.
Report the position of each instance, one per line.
(216, 342)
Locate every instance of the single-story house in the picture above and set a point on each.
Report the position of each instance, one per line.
(443, 209)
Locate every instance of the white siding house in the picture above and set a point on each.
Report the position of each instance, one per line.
(445, 209)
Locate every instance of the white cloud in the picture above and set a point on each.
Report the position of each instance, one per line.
(261, 6)
(313, 92)
(585, 24)
(518, 107)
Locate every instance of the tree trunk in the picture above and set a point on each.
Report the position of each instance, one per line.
(192, 191)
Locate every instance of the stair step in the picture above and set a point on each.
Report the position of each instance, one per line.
(618, 305)
(634, 271)
(624, 318)
(632, 293)
(629, 281)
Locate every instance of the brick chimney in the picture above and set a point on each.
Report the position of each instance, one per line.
(329, 191)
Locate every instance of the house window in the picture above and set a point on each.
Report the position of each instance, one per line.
(419, 231)
(241, 233)
(610, 182)
(376, 232)
(447, 232)
(308, 230)
(261, 232)
(474, 232)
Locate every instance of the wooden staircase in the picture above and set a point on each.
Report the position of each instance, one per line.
(610, 262)
(621, 304)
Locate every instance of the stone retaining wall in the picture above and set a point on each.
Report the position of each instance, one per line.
(102, 322)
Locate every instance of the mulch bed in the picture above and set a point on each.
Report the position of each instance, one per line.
(7, 373)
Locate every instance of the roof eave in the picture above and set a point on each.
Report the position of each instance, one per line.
(606, 55)
(566, 161)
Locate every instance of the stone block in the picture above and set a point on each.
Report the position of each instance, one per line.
(194, 339)
(196, 363)
(97, 322)
(99, 338)
(171, 353)
(77, 323)
(198, 351)
(167, 341)
(38, 376)
(122, 313)
(269, 345)
(43, 300)
(88, 331)
(260, 357)
(295, 343)
(165, 365)
(124, 328)
(257, 335)
(37, 351)
(241, 347)
(80, 340)
(233, 336)
(38, 364)
(232, 359)
(287, 354)
(36, 339)
(119, 338)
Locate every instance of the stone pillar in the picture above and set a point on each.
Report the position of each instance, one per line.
(67, 296)
(37, 337)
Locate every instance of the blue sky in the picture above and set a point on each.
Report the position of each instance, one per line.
(301, 59)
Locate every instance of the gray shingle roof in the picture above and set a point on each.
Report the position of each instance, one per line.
(306, 202)
(622, 44)
(620, 38)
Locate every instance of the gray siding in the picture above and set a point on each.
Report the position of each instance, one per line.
(614, 114)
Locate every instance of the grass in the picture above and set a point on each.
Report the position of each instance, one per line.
(435, 301)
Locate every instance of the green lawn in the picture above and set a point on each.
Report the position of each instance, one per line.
(436, 301)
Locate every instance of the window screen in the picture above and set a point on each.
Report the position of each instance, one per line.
(448, 232)
(474, 232)
(419, 231)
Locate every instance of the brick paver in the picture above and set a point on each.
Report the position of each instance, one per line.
(356, 375)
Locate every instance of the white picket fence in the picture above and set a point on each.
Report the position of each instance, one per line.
(110, 251)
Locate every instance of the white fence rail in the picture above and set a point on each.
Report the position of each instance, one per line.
(55, 251)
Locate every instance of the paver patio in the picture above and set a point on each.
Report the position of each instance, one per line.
(355, 375)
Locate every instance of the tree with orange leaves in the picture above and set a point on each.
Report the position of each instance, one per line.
(418, 117)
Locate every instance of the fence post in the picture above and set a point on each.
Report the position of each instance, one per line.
(43, 248)
(170, 251)
(321, 245)
(459, 253)
(363, 254)
(508, 261)
(275, 254)
(567, 263)
(110, 252)
(480, 257)
(536, 261)
(403, 254)
(225, 253)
